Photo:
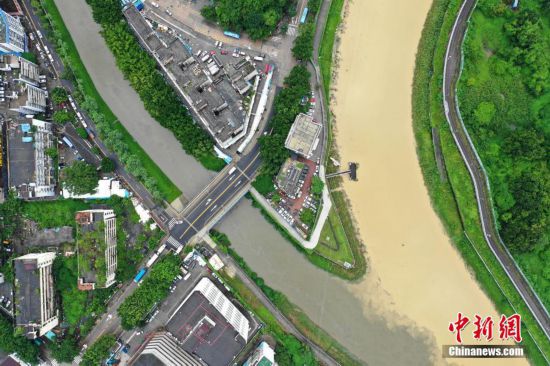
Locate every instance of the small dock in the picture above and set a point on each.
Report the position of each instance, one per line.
(352, 171)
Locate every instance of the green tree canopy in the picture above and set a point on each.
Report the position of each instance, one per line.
(97, 353)
(80, 178)
(107, 165)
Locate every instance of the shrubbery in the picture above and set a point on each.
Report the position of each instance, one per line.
(10, 342)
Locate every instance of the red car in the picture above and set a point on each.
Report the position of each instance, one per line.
(212, 52)
(224, 52)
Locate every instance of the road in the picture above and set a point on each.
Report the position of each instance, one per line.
(452, 69)
(215, 197)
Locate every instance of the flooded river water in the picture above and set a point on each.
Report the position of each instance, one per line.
(399, 313)
(412, 262)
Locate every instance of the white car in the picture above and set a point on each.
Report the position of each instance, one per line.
(154, 4)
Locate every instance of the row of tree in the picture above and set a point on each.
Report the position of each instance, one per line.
(108, 127)
(159, 98)
(258, 18)
(287, 105)
(154, 288)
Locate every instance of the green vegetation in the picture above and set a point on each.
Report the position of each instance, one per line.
(317, 185)
(59, 95)
(158, 97)
(50, 214)
(327, 43)
(98, 352)
(333, 243)
(80, 178)
(81, 131)
(11, 342)
(264, 184)
(258, 18)
(313, 256)
(107, 165)
(154, 288)
(308, 217)
(303, 44)
(63, 116)
(305, 325)
(91, 248)
(73, 301)
(10, 212)
(505, 102)
(30, 57)
(454, 199)
(111, 131)
(65, 350)
(287, 105)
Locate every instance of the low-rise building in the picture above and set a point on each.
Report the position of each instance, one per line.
(96, 249)
(28, 99)
(303, 137)
(35, 307)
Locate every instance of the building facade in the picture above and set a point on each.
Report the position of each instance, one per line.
(35, 308)
(12, 34)
(162, 349)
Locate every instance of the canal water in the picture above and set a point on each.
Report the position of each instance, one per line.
(384, 319)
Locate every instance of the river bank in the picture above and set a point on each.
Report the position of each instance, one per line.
(412, 262)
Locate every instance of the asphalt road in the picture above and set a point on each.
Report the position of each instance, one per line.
(215, 197)
(453, 63)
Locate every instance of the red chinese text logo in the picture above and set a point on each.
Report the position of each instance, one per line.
(509, 327)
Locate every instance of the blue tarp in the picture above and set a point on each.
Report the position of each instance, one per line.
(50, 335)
(25, 127)
(27, 139)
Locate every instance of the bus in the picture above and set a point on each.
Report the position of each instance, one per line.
(304, 16)
(232, 34)
(140, 275)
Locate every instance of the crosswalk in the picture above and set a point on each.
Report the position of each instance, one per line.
(172, 223)
(172, 241)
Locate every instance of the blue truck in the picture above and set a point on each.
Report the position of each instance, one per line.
(140, 275)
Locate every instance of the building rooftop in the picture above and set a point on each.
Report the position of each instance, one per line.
(30, 169)
(291, 176)
(209, 325)
(162, 349)
(303, 136)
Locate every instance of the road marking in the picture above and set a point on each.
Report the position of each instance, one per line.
(241, 173)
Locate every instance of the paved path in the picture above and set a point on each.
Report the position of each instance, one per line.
(453, 64)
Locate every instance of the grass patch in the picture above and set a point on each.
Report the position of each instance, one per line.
(99, 110)
(327, 265)
(454, 200)
(333, 243)
(327, 43)
(50, 214)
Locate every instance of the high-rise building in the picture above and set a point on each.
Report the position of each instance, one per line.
(35, 308)
(12, 34)
(96, 248)
(162, 349)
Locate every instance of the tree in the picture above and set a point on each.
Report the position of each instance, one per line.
(81, 131)
(317, 185)
(308, 217)
(258, 18)
(80, 178)
(59, 95)
(485, 112)
(107, 165)
(290, 351)
(303, 44)
(52, 152)
(66, 350)
(97, 353)
(10, 342)
(62, 116)
(10, 213)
